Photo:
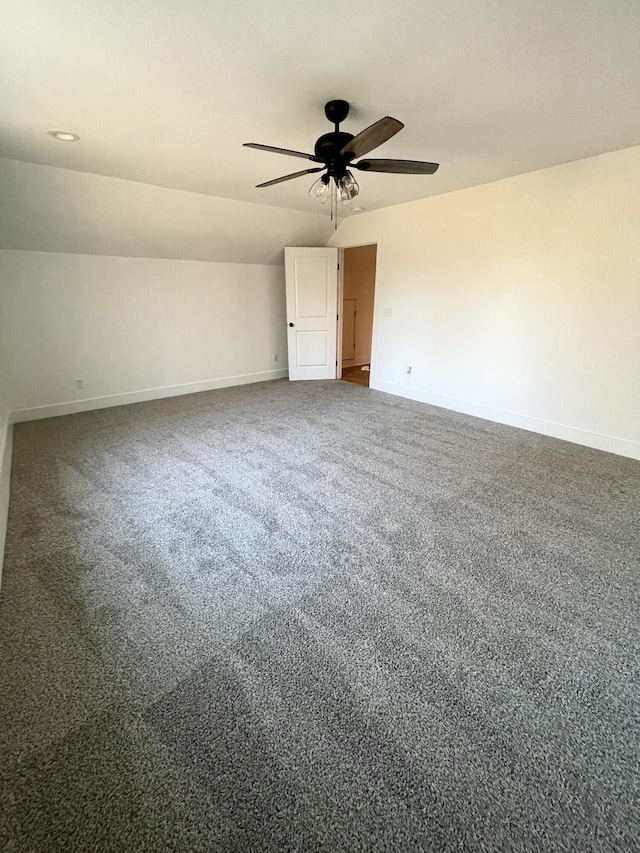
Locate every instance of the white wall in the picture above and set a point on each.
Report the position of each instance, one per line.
(127, 326)
(518, 301)
(6, 434)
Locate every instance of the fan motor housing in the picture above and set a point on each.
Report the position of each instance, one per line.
(329, 146)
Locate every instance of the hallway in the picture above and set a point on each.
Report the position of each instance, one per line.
(356, 374)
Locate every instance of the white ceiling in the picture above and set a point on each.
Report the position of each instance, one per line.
(166, 92)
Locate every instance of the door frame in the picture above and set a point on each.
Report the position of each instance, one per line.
(377, 242)
(344, 315)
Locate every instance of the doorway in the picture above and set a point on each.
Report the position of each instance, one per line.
(358, 287)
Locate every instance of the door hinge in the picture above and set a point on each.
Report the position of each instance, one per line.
(337, 317)
(338, 266)
(336, 362)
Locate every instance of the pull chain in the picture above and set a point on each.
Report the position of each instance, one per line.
(334, 205)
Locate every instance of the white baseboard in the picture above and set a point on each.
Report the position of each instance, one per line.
(609, 443)
(6, 446)
(74, 406)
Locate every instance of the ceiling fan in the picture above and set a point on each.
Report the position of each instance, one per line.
(336, 152)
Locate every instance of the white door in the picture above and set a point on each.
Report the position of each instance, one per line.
(312, 299)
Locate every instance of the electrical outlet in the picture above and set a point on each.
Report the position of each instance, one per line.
(387, 312)
(276, 356)
(408, 369)
(79, 383)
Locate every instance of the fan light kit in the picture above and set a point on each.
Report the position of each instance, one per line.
(337, 151)
(63, 136)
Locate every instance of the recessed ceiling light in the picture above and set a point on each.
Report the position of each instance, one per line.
(63, 135)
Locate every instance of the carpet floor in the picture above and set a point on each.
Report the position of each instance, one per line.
(316, 617)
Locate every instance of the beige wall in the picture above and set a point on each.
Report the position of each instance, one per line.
(359, 284)
(517, 301)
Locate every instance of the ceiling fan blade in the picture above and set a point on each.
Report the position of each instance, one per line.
(399, 167)
(372, 136)
(289, 177)
(281, 151)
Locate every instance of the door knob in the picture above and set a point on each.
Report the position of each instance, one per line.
(291, 324)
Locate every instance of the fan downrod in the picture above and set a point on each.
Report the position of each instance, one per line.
(328, 147)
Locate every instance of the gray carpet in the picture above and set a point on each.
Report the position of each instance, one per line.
(314, 617)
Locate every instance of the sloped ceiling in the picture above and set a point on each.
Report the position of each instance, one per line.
(47, 209)
(165, 92)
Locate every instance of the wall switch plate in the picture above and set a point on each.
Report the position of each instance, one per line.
(387, 312)
(276, 357)
(79, 383)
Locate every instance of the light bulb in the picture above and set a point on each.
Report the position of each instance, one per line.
(348, 187)
(320, 190)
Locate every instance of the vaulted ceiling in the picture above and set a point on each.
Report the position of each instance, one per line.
(165, 92)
